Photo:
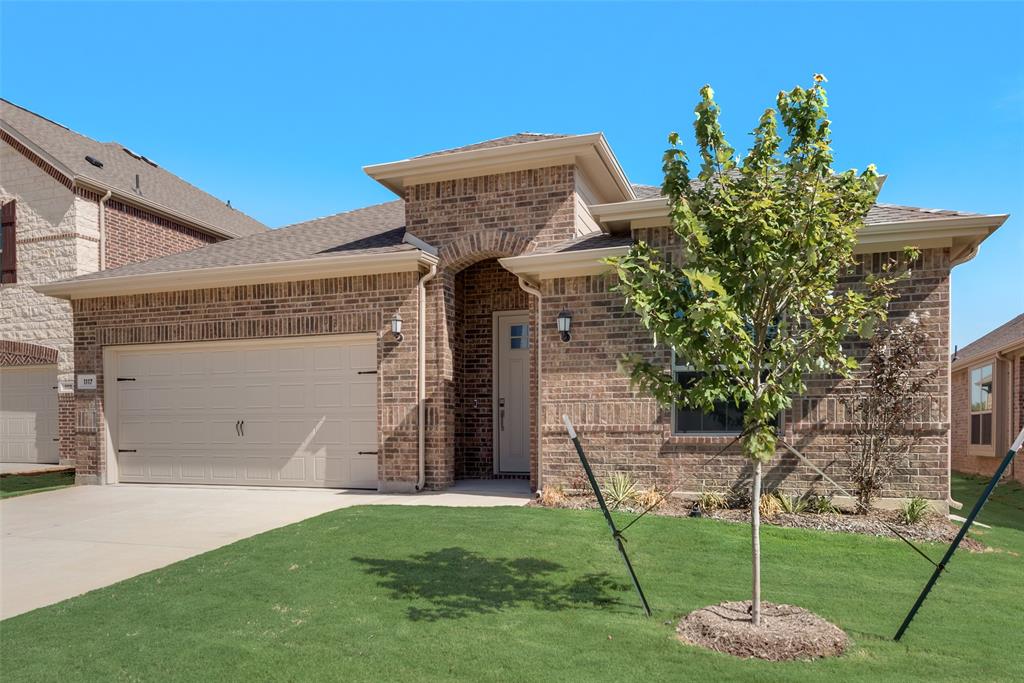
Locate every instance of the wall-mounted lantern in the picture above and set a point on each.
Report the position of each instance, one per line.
(396, 327)
(564, 325)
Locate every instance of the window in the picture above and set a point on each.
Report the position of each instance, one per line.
(520, 336)
(981, 405)
(726, 418)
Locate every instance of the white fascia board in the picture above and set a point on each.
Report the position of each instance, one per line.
(229, 276)
(590, 151)
(563, 264)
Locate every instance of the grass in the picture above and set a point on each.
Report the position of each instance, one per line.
(416, 593)
(21, 484)
(1004, 510)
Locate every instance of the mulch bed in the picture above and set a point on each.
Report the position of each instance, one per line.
(933, 528)
(786, 632)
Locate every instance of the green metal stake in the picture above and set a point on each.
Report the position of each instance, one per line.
(607, 515)
(960, 535)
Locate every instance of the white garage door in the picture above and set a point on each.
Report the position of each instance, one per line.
(28, 414)
(298, 413)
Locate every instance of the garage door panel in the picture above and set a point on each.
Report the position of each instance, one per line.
(301, 405)
(363, 356)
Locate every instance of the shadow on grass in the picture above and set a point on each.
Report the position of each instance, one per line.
(458, 583)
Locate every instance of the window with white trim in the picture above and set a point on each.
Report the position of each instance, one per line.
(981, 405)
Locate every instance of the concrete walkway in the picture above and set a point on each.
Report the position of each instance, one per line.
(59, 544)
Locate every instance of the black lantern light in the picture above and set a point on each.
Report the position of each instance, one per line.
(564, 325)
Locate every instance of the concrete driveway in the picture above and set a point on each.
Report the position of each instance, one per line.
(59, 544)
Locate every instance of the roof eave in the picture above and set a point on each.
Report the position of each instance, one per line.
(964, 362)
(562, 264)
(590, 151)
(229, 276)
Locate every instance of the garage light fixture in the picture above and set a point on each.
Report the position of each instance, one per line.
(396, 327)
(564, 325)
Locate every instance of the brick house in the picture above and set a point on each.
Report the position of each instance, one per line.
(73, 206)
(987, 394)
(414, 343)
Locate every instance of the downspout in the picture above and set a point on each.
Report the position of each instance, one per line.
(534, 291)
(421, 371)
(103, 230)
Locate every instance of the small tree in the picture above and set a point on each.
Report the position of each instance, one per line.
(888, 398)
(752, 300)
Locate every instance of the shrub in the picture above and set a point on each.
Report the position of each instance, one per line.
(792, 505)
(822, 505)
(620, 490)
(710, 499)
(887, 399)
(650, 498)
(913, 511)
(770, 505)
(553, 496)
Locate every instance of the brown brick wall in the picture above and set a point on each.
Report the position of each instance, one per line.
(480, 290)
(290, 309)
(984, 461)
(471, 220)
(133, 235)
(624, 430)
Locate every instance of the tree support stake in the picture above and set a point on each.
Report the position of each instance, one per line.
(616, 534)
(964, 528)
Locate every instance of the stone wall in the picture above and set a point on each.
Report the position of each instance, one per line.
(289, 309)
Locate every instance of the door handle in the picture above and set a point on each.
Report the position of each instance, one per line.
(238, 427)
(501, 414)
(243, 427)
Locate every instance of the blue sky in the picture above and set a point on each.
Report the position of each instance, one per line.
(277, 107)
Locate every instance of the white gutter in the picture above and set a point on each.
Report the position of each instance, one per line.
(534, 291)
(103, 230)
(421, 372)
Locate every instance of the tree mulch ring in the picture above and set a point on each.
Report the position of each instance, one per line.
(786, 632)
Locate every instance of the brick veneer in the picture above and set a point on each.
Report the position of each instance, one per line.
(471, 220)
(627, 431)
(290, 309)
(480, 290)
(963, 459)
(16, 353)
(134, 234)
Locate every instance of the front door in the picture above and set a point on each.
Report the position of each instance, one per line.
(512, 392)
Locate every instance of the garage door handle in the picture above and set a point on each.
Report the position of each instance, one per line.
(367, 452)
(243, 427)
(126, 450)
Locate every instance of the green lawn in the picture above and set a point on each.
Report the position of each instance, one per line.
(416, 593)
(20, 484)
(1004, 511)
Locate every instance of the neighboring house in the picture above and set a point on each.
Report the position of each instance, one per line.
(73, 206)
(277, 358)
(987, 391)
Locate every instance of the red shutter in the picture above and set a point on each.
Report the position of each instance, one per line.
(9, 255)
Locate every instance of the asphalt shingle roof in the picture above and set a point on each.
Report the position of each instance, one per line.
(878, 214)
(120, 168)
(371, 230)
(1004, 335)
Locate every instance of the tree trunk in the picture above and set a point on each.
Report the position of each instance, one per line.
(755, 537)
